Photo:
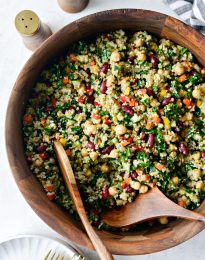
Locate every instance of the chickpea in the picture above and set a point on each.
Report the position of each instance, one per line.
(178, 69)
(139, 42)
(84, 152)
(175, 180)
(135, 185)
(143, 189)
(90, 129)
(120, 116)
(194, 174)
(200, 185)
(38, 163)
(88, 173)
(163, 220)
(160, 71)
(142, 56)
(173, 154)
(196, 93)
(105, 168)
(189, 116)
(114, 154)
(93, 156)
(115, 56)
(120, 129)
(113, 191)
(154, 103)
(52, 160)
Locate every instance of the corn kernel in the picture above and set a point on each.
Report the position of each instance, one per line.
(63, 141)
(198, 103)
(127, 91)
(163, 93)
(60, 113)
(166, 122)
(163, 220)
(88, 173)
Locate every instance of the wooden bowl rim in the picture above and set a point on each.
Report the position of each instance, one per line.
(129, 245)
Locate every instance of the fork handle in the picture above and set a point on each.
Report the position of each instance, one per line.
(71, 184)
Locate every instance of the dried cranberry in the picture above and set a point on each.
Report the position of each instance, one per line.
(49, 108)
(91, 146)
(193, 72)
(166, 101)
(41, 148)
(105, 193)
(133, 175)
(88, 85)
(104, 68)
(79, 111)
(122, 174)
(183, 149)
(150, 140)
(106, 37)
(107, 149)
(134, 82)
(176, 130)
(71, 108)
(81, 100)
(154, 61)
(90, 99)
(87, 71)
(43, 155)
(128, 110)
(57, 192)
(142, 136)
(89, 91)
(103, 87)
(203, 154)
(124, 185)
(150, 92)
(131, 59)
(129, 189)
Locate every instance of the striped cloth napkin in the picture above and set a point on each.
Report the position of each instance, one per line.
(191, 12)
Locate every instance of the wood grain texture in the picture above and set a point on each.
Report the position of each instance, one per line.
(153, 204)
(128, 243)
(71, 185)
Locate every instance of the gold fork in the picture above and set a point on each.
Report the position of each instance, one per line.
(52, 255)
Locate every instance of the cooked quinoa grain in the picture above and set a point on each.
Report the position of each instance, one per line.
(129, 110)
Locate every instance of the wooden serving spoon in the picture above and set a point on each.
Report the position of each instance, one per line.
(153, 204)
(70, 182)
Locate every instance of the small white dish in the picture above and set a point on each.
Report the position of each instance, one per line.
(35, 247)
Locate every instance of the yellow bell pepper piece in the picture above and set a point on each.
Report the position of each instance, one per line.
(166, 123)
(63, 141)
(198, 103)
(163, 93)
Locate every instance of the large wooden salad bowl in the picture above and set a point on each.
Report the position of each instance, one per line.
(149, 240)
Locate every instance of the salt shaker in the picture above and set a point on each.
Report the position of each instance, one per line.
(32, 30)
(73, 6)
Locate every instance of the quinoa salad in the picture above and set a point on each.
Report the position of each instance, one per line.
(129, 109)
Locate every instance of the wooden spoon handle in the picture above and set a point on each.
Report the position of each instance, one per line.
(70, 182)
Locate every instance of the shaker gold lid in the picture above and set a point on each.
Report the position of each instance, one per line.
(27, 22)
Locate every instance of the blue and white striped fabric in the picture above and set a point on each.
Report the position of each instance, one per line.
(191, 12)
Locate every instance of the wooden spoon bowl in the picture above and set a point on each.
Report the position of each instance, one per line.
(150, 239)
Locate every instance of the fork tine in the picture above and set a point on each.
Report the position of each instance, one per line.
(59, 257)
(46, 257)
(52, 257)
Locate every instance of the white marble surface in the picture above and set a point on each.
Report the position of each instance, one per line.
(16, 217)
